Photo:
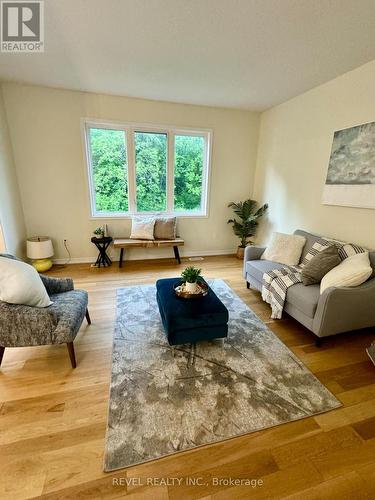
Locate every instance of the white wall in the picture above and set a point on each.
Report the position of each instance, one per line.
(47, 142)
(12, 225)
(294, 148)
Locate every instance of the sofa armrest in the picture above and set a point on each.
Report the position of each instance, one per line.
(252, 252)
(22, 325)
(57, 285)
(344, 309)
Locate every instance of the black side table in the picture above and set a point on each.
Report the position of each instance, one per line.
(102, 244)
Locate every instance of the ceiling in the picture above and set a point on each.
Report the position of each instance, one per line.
(249, 54)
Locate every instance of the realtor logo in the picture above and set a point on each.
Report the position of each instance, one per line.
(22, 26)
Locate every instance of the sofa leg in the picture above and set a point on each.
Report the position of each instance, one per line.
(247, 285)
(72, 356)
(318, 341)
(88, 319)
(2, 349)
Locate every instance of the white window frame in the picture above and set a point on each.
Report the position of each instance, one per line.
(129, 129)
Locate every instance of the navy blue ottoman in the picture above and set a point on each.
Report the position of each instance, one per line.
(190, 320)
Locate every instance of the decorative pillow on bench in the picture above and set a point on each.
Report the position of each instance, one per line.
(150, 228)
(165, 228)
(142, 228)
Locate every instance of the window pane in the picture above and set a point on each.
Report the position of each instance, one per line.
(109, 169)
(189, 155)
(151, 171)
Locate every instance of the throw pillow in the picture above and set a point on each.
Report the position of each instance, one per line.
(21, 284)
(318, 246)
(320, 265)
(346, 249)
(349, 249)
(352, 271)
(285, 249)
(142, 229)
(165, 228)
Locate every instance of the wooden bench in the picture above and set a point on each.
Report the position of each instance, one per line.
(124, 243)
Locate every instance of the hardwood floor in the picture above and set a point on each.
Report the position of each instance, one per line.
(53, 418)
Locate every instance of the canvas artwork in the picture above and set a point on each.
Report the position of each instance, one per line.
(351, 169)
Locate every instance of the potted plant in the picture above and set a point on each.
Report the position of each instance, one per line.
(191, 275)
(99, 232)
(248, 213)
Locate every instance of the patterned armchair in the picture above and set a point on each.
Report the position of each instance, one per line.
(22, 326)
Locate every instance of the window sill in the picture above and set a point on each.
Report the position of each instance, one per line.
(179, 215)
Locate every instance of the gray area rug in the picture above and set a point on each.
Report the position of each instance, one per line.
(163, 402)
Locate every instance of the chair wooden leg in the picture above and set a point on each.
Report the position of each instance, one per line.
(2, 349)
(72, 356)
(88, 319)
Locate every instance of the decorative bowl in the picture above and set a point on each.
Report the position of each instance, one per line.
(202, 290)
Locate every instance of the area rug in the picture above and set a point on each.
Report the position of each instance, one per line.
(165, 400)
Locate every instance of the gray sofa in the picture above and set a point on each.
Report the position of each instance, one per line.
(337, 310)
(22, 326)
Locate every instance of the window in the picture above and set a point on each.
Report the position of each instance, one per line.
(151, 171)
(189, 155)
(142, 170)
(109, 172)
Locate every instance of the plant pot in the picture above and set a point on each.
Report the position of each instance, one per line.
(240, 252)
(190, 287)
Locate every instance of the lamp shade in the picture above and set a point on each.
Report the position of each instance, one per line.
(39, 247)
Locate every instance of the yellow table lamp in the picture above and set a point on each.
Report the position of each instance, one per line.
(40, 251)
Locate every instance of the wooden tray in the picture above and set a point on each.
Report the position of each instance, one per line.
(179, 291)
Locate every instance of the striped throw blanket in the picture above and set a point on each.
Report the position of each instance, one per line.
(275, 286)
(277, 281)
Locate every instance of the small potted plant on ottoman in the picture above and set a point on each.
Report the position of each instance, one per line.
(191, 275)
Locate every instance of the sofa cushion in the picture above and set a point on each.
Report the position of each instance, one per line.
(304, 298)
(257, 268)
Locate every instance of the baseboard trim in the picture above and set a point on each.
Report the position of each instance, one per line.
(203, 253)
